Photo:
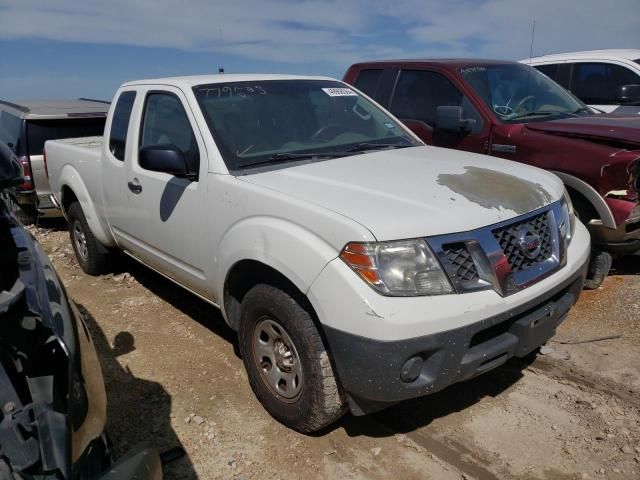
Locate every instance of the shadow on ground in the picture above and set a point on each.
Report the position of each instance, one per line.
(413, 414)
(628, 265)
(138, 410)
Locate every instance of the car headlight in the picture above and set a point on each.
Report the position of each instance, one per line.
(567, 223)
(403, 268)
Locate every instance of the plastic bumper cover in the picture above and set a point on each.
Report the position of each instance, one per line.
(377, 373)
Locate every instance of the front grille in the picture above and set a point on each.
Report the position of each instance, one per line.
(462, 264)
(509, 239)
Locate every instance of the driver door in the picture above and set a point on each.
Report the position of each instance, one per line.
(415, 100)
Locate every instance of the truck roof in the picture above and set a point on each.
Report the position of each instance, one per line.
(51, 109)
(626, 54)
(192, 81)
(448, 62)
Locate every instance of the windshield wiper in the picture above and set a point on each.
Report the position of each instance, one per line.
(545, 113)
(582, 110)
(283, 157)
(364, 146)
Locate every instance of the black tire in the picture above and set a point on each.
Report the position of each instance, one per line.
(599, 266)
(90, 253)
(318, 402)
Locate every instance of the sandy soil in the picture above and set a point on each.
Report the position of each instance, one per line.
(174, 378)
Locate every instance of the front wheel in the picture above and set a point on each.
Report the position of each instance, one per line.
(90, 253)
(599, 266)
(287, 364)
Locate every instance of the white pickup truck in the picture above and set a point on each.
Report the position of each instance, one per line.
(358, 266)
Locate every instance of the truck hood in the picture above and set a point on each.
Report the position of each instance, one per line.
(418, 191)
(608, 128)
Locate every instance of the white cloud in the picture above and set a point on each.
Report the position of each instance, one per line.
(333, 32)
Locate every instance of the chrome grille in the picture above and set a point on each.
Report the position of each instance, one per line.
(462, 265)
(509, 239)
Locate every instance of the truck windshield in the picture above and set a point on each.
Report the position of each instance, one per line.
(280, 121)
(517, 93)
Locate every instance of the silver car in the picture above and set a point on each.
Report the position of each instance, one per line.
(25, 126)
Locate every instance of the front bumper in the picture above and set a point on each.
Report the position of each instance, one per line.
(378, 373)
(622, 240)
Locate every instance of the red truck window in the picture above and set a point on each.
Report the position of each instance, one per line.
(419, 93)
(368, 81)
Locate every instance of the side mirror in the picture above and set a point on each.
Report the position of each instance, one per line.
(10, 169)
(449, 118)
(163, 158)
(628, 94)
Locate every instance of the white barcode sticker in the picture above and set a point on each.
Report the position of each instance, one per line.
(339, 92)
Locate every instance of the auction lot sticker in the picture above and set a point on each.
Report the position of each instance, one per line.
(339, 92)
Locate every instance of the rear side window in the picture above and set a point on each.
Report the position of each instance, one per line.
(597, 83)
(120, 124)
(39, 131)
(419, 93)
(368, 81)
(166, 123)
(10, 131)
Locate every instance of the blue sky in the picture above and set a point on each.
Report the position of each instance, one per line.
(74, 48)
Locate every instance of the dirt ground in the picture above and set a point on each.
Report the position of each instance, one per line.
(174, 378)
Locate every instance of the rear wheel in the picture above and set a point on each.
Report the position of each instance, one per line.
(286, 361)
(90, 253)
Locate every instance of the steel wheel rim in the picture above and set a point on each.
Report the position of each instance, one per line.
(80, 240)
(276, 357)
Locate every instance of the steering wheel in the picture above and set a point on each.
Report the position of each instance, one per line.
(325, 128)
(520, 105)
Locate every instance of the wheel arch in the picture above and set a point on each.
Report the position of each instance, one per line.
(73, 189)
(590, 195)
(246, 274)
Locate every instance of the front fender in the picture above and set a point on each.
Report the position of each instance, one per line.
(70, 178)
(294, 251)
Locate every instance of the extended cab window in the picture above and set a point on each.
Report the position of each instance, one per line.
(120, 124)
(419, 93)
(597, 83)
(166, 123)
(368, 81)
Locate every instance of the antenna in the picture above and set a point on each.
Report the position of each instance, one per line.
(220, 68)
(533, 34)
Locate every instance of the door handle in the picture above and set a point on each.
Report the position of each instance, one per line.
(135, 187)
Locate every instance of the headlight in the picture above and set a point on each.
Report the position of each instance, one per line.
(567, 223)
(403, 268)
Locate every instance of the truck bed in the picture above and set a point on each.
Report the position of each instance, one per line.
(82, 155)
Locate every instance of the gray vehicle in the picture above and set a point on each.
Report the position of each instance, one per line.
(25, 126)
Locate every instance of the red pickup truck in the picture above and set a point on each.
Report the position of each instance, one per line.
(511, 110)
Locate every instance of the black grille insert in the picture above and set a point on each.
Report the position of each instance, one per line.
(509, 239)
(462, 264)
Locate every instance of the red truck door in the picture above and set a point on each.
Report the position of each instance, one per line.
(415, 99)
